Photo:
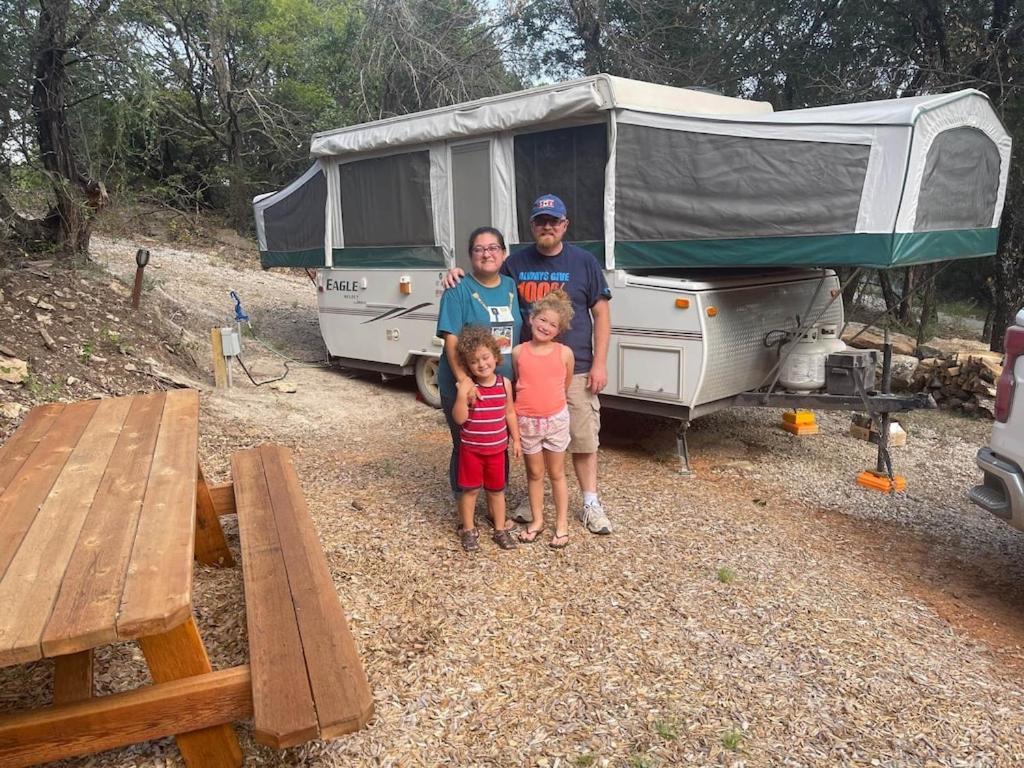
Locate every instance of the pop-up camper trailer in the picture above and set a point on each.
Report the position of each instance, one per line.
(715, 218)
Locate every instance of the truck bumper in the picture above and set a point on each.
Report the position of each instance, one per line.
(1002, 492)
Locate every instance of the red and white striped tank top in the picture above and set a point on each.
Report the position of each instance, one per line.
(486, 431)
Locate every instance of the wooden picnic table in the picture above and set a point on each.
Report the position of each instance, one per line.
(102, 509)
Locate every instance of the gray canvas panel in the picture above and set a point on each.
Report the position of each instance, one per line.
(386, 201)
(568, 162)
(471, 195)
(960, 182)
(296, 223)
(681, 185)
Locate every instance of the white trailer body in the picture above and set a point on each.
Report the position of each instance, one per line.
(681, 345)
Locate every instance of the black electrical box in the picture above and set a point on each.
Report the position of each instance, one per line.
(850, 372)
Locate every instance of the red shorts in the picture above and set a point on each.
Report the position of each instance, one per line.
(476, 469)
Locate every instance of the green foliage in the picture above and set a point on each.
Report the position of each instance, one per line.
(46, 391)
(585, 760)
(115, 340)
(732, 739)
(667, 729)
(726, 575)
(420, 54)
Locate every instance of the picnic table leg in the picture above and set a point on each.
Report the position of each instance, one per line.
(72, 677)
(211, 548)
(180, 653)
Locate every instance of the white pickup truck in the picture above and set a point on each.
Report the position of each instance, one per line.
(1002, 491)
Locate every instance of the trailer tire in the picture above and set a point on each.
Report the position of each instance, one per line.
(426, 381)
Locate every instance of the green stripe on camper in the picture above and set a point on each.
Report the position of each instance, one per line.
(393, 257)
(389, 257)
(924, 247)
(856, 249)
(312, 257)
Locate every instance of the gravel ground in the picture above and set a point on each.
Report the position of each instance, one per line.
(766, 611)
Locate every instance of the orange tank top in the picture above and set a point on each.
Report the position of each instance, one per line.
(540, 382)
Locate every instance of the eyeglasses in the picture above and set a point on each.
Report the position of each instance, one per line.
(547, 221)
(480, 250)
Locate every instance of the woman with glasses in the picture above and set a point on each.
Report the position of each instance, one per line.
(484, 298)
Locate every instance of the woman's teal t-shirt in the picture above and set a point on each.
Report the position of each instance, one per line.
(470, 303)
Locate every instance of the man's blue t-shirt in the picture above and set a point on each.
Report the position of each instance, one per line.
(576, 272)
(470, 303)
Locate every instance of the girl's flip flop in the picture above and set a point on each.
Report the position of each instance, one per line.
(559, 541)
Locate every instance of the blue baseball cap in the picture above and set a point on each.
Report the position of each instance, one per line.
(548, 205)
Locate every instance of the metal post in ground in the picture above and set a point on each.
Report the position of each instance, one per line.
(141, 260)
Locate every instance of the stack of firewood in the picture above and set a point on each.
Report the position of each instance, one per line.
(964, 380)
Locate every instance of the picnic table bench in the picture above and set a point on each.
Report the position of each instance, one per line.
(102, 509)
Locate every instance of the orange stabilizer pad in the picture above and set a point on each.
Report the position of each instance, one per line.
(798, 417)
(799, 423)
(800, 429)
(879, 481)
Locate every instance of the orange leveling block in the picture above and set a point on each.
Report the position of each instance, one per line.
(799, 423)
(879, 481)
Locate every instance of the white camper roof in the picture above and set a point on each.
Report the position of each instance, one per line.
(886, 112)
(546, 104)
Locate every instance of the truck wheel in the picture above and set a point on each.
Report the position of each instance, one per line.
(426, 381)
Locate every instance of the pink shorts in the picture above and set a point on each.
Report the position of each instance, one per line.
(548, 433)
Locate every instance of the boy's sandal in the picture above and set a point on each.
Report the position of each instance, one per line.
(470, 539)
(504, 539)
(510, 526)
(529, 535)
(559, 541)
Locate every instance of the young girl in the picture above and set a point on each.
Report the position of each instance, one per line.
(543, 373)
(483, 408)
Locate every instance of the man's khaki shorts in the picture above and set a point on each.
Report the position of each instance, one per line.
(584, 416)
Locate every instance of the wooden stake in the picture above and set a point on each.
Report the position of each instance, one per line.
(220, 368)
(137, 288)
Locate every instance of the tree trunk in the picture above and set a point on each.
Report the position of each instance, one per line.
(928, 310)
(1008, 285)
(851, 284)
(77, 196)
(892, 298)
(239, 205)
(906, 313)
(1009, 298)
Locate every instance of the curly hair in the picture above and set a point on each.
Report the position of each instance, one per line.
(472, 338)
(556, 301)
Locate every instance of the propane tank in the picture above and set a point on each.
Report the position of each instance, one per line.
(803, 367)
(828, 336)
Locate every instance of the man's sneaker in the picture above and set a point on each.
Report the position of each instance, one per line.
(594, 518)
(523, 513)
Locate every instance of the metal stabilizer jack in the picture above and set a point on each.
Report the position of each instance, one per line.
(682, 449)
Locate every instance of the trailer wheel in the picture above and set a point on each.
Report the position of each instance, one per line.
(426, 381)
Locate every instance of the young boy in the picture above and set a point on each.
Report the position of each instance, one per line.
(484, 410)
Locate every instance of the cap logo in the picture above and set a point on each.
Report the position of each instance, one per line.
(548, 203)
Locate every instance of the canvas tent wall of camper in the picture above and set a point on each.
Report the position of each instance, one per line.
(656, 177)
